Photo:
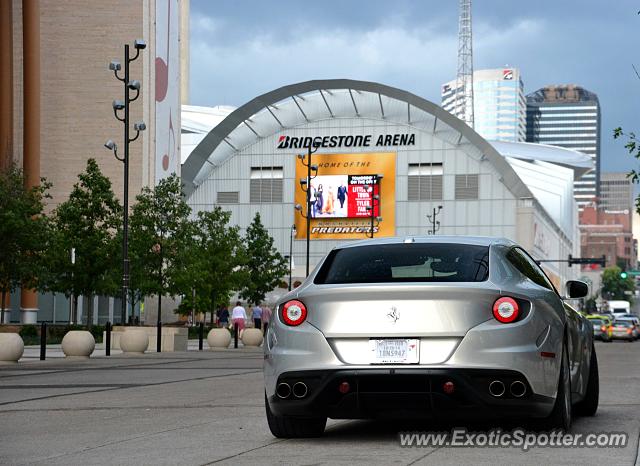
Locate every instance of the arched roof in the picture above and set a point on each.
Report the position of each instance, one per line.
(299, 104)
(577, 161)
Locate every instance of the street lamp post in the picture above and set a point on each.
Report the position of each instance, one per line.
(292, 233)
(305, 184)
(119, 105)
(435, 225)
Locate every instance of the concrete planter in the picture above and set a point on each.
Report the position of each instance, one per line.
(78, 344)
(219, 338)
(11, 347)
(173, 338)
(252, 337)
(134, 340)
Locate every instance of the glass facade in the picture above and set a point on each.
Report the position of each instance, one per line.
(568, 116)
(499, 104)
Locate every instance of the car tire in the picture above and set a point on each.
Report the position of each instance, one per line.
(560, 417)
(589, 405)
(294, 427)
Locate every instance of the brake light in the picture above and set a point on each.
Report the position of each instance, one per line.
(294, 312)
(603, 328)
(506, 310)
(629, 331)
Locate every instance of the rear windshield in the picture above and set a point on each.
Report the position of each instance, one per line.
(596, 322)
(624, 323)
(406, 262)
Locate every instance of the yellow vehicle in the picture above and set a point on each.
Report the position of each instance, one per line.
(602, 327)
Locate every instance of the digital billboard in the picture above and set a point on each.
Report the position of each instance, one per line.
(342, 193)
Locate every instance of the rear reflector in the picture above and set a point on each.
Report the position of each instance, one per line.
(448, 387)
(344, 387)
(505, 310)
(546, 354)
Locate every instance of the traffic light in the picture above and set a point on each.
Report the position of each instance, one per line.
(624, 275)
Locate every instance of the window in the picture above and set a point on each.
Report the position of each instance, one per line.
(466, 187)
(528, 267)
(228, 197)
(265, 185)
(400, 262)
(424, 182)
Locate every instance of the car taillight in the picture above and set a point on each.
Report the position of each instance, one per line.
(294, 312)
(603, 328)
(505, 310)
(629, 331)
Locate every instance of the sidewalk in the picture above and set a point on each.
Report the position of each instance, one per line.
(32, 352)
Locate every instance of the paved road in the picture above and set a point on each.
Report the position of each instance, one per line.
(206, 408)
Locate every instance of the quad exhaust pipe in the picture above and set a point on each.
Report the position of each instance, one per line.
(517, 389)
(300, 390)
(283, 390)
(497, 388)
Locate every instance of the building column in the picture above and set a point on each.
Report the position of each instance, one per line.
(31, 156)
(6, 84)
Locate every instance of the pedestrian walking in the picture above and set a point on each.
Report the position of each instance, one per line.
(239, 316)
(223, 316)
(257, 316)
(266, 317)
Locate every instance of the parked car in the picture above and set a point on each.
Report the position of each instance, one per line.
(601, 328)
(444, 327)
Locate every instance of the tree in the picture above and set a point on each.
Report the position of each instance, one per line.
(23, 232)
(264, 266)
(614, 286)
(633, 147)
(212, 263)
(159, 233)
(87, 222)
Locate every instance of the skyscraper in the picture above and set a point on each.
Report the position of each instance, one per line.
(568, 116)
(616, 192)
(499, 104)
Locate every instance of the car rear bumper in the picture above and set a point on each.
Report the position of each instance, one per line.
(407, 393)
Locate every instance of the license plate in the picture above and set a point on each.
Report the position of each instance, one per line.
(395, 351)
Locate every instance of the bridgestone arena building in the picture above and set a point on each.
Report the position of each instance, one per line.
(377, 144)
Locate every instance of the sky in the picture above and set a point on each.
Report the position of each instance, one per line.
(240, 49)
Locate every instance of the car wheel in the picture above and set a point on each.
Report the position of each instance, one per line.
(589, 405)
(293, 427)
(560, 417)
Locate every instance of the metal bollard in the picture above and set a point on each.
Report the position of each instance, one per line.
(43, 341)
(107, 343)
(159, 338)
(235, 335)
(200, 336)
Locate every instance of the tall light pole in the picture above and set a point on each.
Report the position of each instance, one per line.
(119, 105)
(292, 233)
(435, 225)
(305, 184)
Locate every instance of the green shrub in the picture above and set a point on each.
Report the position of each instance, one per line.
(28, 331)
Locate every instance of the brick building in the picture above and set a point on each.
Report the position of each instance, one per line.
(608, 233)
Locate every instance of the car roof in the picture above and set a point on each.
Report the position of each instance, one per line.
(457, 239)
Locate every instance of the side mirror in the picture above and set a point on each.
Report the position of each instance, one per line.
(577, 289)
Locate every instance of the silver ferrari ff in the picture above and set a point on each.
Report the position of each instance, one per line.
(429, 327)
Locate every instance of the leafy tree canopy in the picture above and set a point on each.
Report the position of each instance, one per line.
(264, 266)
(23, 231)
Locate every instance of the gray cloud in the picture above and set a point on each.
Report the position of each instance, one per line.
(242, 49)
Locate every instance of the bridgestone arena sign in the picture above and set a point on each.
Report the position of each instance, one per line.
(360, 140)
